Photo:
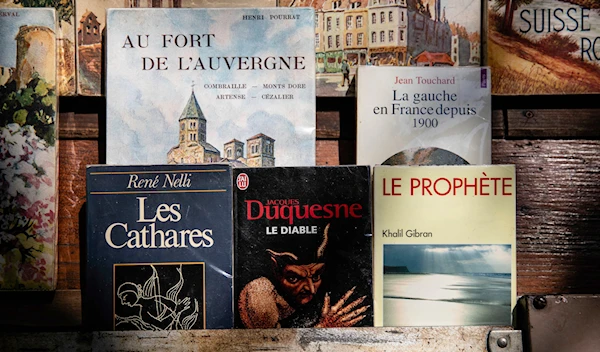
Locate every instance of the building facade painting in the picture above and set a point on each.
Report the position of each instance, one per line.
(389, 32)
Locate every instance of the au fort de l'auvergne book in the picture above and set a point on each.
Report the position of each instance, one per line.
(209, 85)
(91, 19)
(302, 247)
(28, 149)
(424, 116)
(444, 245)
(159, 247)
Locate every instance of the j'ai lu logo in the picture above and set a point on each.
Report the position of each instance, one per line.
(483, 78)
(242, 181)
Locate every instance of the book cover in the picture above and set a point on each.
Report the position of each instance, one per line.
(544, 46)
(302, 247)
(424, 116)
(206, 85)
(91, 15)
(28, 149)
(159, 247)
(350, 33)
(444, 245)
(65, 36)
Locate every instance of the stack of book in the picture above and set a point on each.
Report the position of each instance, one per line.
(210, 211)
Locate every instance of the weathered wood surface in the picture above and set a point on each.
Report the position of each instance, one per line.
(414, 339)
(547, 123)
(74, 155)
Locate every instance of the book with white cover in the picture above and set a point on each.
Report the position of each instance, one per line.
(423, 116)
(91, 24)
(444, 240)
(210, 85)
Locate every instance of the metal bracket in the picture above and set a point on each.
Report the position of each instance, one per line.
(505, 341)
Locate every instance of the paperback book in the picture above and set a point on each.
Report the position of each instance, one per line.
(91, 15)
(424, 116)
(159, 247)
(390, 33)
(302, 247)
(544, 46)
(65, 38)
(444, 245)
(28, 149)
(211, 85)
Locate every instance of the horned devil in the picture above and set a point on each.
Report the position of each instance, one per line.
(264, 304)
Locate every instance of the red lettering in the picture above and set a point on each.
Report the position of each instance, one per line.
(356, 211)
(506, 185)
(435, 187)
(457, 183)
(414, 185)
(313, 211)
(467, 186)
(255, 210)
(249, 210)
(426, 185)
(395, 184)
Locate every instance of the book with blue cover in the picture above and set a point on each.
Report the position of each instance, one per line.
(194, 86)
(158, 247)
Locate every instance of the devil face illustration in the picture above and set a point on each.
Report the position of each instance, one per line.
(300, 283)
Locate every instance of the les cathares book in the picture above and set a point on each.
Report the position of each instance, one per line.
(158, 247)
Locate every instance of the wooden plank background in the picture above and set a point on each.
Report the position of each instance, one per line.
(553, 141)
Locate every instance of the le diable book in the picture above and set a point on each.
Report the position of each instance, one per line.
(444, 245)
(91, 15)
(302, 247)
(28, 149)
(390, 33)
(211, 85)
(65, 38)
(424, 116)
(158, 247)
(540, 47)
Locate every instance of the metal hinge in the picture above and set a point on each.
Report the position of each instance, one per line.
(505, 341)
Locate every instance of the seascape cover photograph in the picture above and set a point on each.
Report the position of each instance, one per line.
(434, 285)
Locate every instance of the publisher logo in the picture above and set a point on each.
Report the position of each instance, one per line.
(242, 181)
(484, 77)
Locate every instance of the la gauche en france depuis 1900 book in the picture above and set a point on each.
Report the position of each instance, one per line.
(28, 149)
(159, 247)
(444, 245)
(424, 116)
(206, 85)
(302, 247)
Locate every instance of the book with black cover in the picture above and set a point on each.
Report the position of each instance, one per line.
(302, 247)
(159, 247)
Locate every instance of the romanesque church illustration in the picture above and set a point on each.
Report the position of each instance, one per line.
(192, 147)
